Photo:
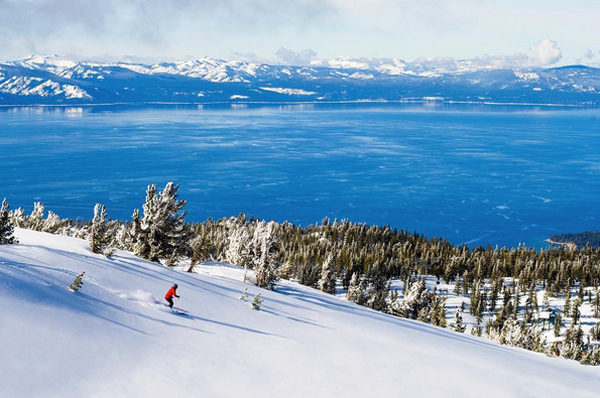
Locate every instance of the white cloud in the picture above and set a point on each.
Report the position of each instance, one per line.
(290, 57)
(546, 52)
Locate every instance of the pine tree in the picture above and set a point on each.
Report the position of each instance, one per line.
(6, 226)
(356, 290)
(416, 302)
(264, 250)
(437, 311)
(595, 332)
(238, 248)
(163, 232)
(257, 302)
(557, 325)
(98, 231)
(201, 248)
(18, 218)
(458, 324)
(575, 312)
(244, 294)
(35, 220)
(327, 282)
(77, 283)
(567, 309)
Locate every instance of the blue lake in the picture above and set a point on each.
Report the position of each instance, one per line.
(479, 175)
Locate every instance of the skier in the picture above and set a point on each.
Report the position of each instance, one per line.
(170, 294)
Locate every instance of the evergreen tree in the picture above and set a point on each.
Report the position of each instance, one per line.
(264, 250)
(238, 249)
(356, 290)
(6, 226)
(437, 311)
(77, 283)
(595, 332)
(36, 218)
(201, 248)
(18, 218)
(458, 324)
(327, 282)
(257, 302)
(163, 232)
(557, 325)
(567, 309)
(575, 312)
(98, 231)
(416, 303)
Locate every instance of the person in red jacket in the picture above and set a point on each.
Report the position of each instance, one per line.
(170, 294)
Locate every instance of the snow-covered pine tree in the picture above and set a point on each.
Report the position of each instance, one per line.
(18, 218)
(379, 287)
(356, 290)
(53, 224)
(77, 283)
(515, 334)
(595, 332)
(264, 249)
(557, 325)
(35, 220)
(163, 233)
(6, 226)
(567, 309)
(327, 281)
(591, 356)
(458, 324)
(244, 294)
(416, 302)
(98, 230)
(575, 311)
(201, 249)
(286, 270)
(238, 249)
(437, 311)
(257, 302)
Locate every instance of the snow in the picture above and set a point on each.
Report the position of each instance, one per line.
(26, 86)
(288, 91)
(113, 339)
(526, 75)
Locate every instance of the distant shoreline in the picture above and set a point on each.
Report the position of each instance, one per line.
(407, 102)
(568, 245)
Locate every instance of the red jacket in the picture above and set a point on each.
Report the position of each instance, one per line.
(171, 293)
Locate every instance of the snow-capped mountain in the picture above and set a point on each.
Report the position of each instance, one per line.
(54, 80)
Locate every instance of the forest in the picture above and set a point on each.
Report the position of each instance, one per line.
(541, 300)
(581, 239)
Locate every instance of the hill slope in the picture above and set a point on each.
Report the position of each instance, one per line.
(113, 339)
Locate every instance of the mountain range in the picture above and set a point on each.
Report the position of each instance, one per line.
(52, 80)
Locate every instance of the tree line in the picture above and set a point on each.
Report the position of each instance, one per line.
(499, 285)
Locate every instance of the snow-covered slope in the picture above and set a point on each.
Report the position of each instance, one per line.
(54, 80)
(112, 339)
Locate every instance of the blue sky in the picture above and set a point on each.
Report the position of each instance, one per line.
(305, 29)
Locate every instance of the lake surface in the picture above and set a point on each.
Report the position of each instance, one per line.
(479, 175)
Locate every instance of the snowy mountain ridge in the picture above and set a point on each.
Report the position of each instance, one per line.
(42, 79)
(116, 338)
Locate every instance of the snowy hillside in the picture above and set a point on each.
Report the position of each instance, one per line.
(112, 338)
(54, 80)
